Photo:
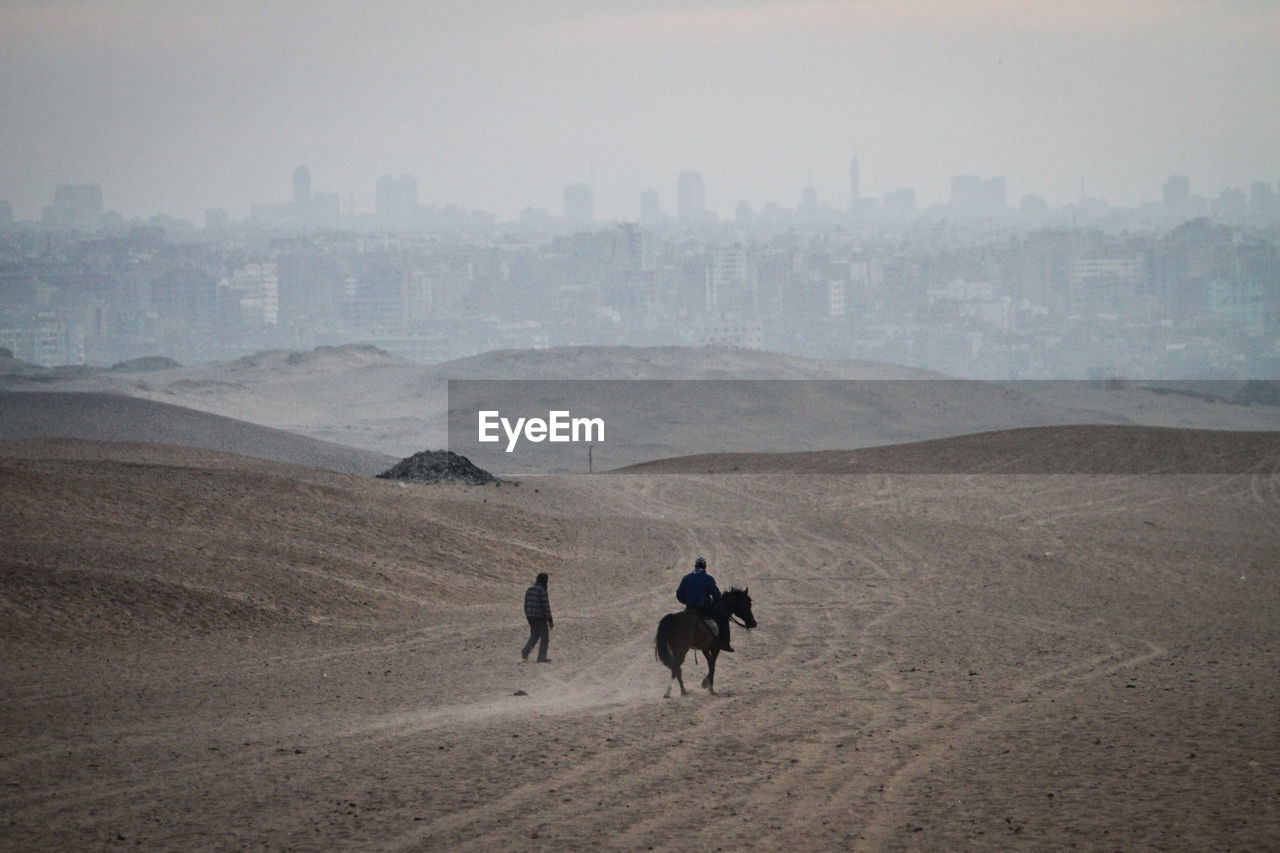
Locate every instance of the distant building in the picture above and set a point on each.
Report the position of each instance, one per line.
(76, 207)
(1106, 285)
(250, 296)
(301, 185)
(855, 186)
(1238, 302)
(728, 331)
(1177, 191)
(691, 197)
(975, 196)
(1033, 206)
(307, 210)
(634, 250)
(579, 206)
(732, 281)
(46, 340)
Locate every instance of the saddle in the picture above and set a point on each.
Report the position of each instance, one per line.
(708, 621)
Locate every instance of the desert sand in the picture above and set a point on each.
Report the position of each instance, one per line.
(211, 651)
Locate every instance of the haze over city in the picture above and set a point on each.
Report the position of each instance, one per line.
(178, 108)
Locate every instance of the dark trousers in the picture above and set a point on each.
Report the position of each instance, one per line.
(540, 633)
(722, 622)
(720, 617)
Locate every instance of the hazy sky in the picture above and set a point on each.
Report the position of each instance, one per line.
(179, 106)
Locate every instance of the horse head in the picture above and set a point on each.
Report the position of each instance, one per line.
(738, 602)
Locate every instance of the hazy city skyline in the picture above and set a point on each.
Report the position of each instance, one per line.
(499, 106)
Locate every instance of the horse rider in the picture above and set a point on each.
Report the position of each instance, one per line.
(698, 591)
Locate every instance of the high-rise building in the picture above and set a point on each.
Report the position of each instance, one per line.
(301, 185)
(975, 196)
(76, 207)
(855, 185)
(691, 197)
(579, 206)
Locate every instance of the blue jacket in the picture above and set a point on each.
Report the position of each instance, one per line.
(698, 589)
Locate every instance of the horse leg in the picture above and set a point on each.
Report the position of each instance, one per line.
(677, 661)
(710, 681)
(675, 677)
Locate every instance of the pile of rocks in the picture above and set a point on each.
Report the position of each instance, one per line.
(147, 362)
(438, 466)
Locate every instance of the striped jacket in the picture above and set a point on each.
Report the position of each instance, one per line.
(537, 605)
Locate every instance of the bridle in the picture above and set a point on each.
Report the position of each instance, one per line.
(733, 617)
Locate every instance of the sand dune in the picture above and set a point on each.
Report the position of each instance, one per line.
(365, 398)
(209, 651)
(112, 417)
(1033, 450)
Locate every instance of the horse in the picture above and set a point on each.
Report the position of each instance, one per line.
(680, 632)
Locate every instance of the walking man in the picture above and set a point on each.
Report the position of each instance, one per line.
(537, 609)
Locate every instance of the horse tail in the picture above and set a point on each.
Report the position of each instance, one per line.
(661, 644)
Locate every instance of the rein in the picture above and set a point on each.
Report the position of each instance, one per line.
(733, 617)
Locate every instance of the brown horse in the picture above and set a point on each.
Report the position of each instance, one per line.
(680, 632)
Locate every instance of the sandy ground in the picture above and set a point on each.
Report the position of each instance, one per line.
(204, 651)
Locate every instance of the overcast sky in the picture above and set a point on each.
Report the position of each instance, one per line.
(180, 106)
